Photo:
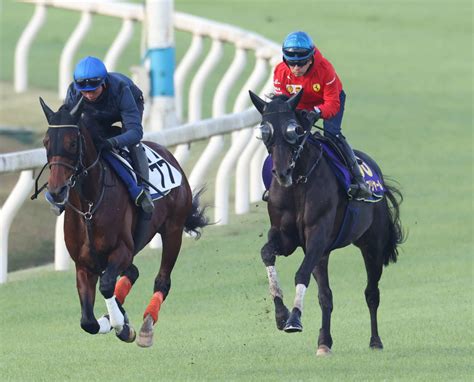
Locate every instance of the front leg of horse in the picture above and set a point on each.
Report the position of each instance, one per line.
(302, 278)
(116, 314)
(86, 283)
(269, 253)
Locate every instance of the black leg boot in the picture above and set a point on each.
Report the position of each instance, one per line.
(140, 164)
(358, 190)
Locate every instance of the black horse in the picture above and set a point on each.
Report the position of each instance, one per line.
(307, 208)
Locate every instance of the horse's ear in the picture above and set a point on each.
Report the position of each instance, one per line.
(47, 111)
(257, 101)
(77, 109)
(293, 101)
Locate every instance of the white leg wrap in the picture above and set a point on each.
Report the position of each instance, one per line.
(104, 324)
(275, 290)
(299, 297)
(116, 317)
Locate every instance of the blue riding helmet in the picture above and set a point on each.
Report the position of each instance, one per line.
(89, 74)
(297, 46)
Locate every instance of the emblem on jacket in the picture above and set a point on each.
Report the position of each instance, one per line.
(293, 89)
(316, 87)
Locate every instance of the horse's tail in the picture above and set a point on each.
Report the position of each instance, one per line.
(396, 234)
(196, 218)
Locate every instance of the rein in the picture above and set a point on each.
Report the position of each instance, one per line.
(296, 154)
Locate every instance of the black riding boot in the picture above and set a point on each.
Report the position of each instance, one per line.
(140, 165)
(358, 190)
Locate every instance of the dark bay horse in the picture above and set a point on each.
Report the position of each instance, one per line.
(307, 206)
(101, 219)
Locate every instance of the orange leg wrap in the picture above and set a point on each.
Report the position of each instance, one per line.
(122, 288)
(154, 306)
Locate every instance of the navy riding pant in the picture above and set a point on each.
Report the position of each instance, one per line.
(333, 125)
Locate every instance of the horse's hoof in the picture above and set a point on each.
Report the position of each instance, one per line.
(281, 322)
(127, 334)
(281, 318)
(323, 351)
(293, 324)
(145, 337)
(281, 313)
(376, 343)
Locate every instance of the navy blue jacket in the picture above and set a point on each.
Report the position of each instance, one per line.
(121, 101)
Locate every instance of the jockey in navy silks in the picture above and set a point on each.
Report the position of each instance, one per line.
(110, 98)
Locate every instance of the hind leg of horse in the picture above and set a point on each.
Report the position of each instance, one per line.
(373, 266)
(108, 281)
(275, 246)
(171, 241)
(320, 274)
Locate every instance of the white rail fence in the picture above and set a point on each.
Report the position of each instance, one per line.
(244, 155)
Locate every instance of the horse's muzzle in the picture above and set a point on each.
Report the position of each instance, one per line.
(284, 179)
(59, 196)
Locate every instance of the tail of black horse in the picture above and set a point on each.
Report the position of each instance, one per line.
(396, 235)
(196, 218)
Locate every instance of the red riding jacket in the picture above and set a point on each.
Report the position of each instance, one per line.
(320, 83)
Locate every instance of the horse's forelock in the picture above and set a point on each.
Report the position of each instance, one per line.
(63, 117)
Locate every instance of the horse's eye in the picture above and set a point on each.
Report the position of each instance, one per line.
(266, 132)
(293, 132)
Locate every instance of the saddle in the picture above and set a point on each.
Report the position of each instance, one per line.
(163, 177)
(340, 167)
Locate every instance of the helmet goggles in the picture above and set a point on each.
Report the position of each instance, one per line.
(88, 84)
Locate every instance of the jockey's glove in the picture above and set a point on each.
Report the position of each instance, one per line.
(313, 116)
(110, 144)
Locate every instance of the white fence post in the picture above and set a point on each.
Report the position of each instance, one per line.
(62, 260)
(67, 55)
(119, 44)
(8, 212)
(23, 47)
(161, 55)
(182, 151)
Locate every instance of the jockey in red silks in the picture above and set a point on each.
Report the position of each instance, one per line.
(304, 67)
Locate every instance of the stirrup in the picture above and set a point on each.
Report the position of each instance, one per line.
(265, 195)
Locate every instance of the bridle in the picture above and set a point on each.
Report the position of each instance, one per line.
(79, 169)
(297, 142)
